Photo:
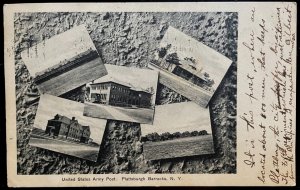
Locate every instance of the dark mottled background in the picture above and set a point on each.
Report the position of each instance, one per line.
(128, 39)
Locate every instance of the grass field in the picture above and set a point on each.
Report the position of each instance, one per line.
(138, 115)
(74, 149)
(73, 78)
(189, 146)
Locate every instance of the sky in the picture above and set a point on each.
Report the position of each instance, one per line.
(214, 63)
(178, 117)
(50, 105)
(57, 48)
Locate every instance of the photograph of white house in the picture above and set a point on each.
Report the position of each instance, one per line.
(188, 66)
(126, 94)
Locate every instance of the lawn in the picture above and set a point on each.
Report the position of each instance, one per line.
(181, 147)
(66, 147)
(137, 115)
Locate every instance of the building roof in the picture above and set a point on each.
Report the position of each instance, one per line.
(107, 78)
(68, 121)
(85, 127)
(186, 65)
(138, 89)
(62, 119)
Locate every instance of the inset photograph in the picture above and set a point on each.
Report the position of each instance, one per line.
(178, 130)
(125, 94)
(60, 126)
(188, 66)
(64, 62)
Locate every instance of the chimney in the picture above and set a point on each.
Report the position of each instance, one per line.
(73, 118)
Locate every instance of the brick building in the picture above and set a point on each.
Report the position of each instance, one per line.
(110, 91)
(62, 126)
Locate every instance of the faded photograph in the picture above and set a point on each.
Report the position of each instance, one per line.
(130, 41)
(188, 66)
(63, 62)
(60, 126)
(178, 130)
(125, 93)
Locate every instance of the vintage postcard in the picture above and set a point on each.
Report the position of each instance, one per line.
(178, 130)
(188, 94)
(63, 62)
(188, 66)
(60, 126)
(125, 93)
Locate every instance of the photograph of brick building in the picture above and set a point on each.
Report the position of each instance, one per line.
(125, 93)
(62, 126)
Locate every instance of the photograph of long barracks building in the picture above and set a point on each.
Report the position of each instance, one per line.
(66, 128)
(110, 91)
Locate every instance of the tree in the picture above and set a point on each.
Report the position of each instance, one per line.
(206, 74)
(210, 82)
(186, 134)
(172, 58)
(176, 134)
(165, 136)
(194, 133)
(203, 132)
(162, 52)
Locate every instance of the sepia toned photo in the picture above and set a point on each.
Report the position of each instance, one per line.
(125, 93)
(63, 62)
(188, 66)
(178, 130)
(60, 126)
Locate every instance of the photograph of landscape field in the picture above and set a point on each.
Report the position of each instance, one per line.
(63, 62)
(125, 94)
(188, 66)
(178, 130)
(60, 126)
